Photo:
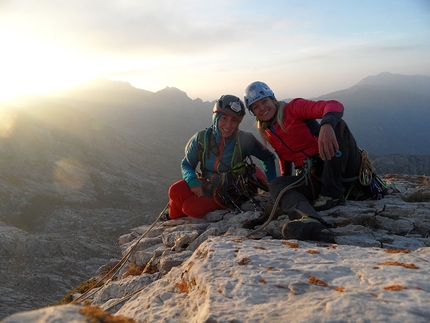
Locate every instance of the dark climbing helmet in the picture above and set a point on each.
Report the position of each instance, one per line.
(231, 105)
(256, 91)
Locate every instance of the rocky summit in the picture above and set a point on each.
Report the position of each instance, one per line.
(216, 270)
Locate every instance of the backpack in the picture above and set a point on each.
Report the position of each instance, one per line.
(240, 183)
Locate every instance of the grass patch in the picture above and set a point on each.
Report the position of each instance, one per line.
(96, 315)
(82, 288)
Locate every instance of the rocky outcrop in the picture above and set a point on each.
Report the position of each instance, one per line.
(403, 164)
(206, 270)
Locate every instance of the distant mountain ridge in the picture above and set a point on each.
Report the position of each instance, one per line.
(418, 84)
(388, 113)
(402, 164)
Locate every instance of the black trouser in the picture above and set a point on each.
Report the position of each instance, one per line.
(327, 179)
(339, 168)
(299, 197)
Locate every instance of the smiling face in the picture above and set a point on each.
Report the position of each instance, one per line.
(264, 109)
(227, 125)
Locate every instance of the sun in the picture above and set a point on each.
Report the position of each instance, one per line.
(31, 67)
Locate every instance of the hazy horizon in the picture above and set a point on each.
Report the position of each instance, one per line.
(306, 48)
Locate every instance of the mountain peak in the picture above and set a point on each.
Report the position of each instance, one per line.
(398, 82)
(171, 91)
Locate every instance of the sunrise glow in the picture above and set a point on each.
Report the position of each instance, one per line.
(301, 49)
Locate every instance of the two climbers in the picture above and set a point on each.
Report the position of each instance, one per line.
(220, 152)
(323, 155)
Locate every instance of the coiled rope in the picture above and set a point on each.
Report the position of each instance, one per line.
(366, 169)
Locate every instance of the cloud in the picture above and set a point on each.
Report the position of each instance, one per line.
(128, 26)
(388, 49)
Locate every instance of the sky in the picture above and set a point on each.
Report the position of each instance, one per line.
(301, 48)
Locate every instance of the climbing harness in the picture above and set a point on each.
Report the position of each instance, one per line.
(117, 268)
(239, 185)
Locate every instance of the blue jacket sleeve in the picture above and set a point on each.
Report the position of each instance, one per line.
(190, 161)
(252, 146)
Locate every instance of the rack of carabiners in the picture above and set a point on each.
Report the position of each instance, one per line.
(240, 187)
(367, 177)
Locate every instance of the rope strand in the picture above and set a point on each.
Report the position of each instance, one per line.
(295, 184)
(120, 264)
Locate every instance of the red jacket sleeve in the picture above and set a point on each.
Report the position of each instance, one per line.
(328, 111)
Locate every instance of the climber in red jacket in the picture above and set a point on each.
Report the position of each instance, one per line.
(297, 137)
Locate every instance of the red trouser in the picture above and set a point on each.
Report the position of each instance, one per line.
(183, 202)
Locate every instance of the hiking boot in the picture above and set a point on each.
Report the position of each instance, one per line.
(307, 228)
(326, 202)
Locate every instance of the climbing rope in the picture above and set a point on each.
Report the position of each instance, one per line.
(124, 298)
(366, 169)
(302, 179)
(117, 268)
